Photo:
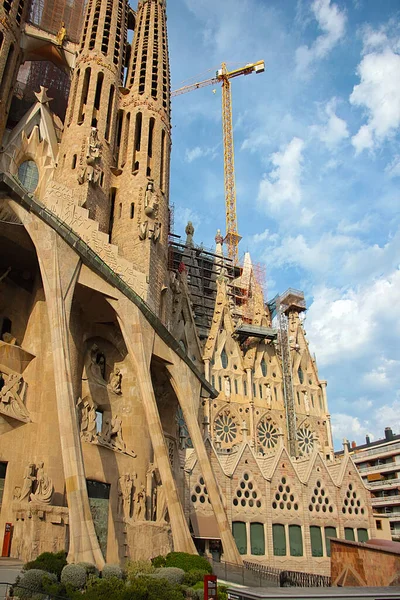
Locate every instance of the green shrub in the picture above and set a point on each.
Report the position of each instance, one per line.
(74, 577)
(172, 574)
(187, 562)
(198, 586)
(147, 588)
(138, 567)
(193, 576)
(52, 562)
(33, 582)
(222, 592)
(112, 571)
(89, 568)
(103, 589)
(199, 594)
(158, 561)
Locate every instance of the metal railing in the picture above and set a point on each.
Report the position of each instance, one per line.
(290, 578)
(385, 499)
(384, 482)
(391, 466)
(379, 450)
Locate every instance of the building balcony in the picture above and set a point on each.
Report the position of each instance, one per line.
(394, 517)
(386, 500)
(384, 483)
(379, 450)
(386, 468)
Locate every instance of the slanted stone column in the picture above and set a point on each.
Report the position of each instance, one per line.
(59, 267)
(139, 338)
(187, 388)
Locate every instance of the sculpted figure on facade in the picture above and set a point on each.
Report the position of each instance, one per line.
(97, 366)
(227, 386)
(111, 436)
(189, 230)
(87, 419)
(143, 230)
(150, 201)
(140, 504)
(115, 381)
(306, 403)
(125, 486)
(44, 486)
(91, 172)
(159, 507)
(268, 395)
(27, 484)
(12, 396)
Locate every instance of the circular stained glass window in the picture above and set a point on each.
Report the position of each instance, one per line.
(267, 434)
(28, 175)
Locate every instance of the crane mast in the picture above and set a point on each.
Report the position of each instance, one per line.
(232, 237)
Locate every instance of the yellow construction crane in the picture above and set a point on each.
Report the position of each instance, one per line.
(224, 76)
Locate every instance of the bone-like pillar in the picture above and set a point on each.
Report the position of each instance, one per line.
(139, 339)
(59, 267)
(187, 389)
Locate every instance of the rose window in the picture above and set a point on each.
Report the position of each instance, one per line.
(305, 438)
(267, 434)
(226, 428)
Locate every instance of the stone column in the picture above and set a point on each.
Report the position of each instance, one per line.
(139, 338)
(187, 389)
(59, 267)
(252, 428)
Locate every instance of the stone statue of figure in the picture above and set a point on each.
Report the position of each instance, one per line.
(27, 484)
(306, 403)
(155, 236)
(140, 504)
(116, 433)
(227, 386)
(94, 145)
(12, 395)
(115, 381)
(44, 489)
(143, 230)
(125, 485)
(268, 395)
(61, 35)
(159, 507)
(150, 200)
(88, 419)
(189, 233)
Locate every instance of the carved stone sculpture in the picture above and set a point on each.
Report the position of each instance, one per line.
(227, 386)
(115, 381)
(12, 395)
(140, 504)
(91, 172)
(143, 230)
(159, 507)
(125, 485)
(306, 403)
(189, 233)
(150, 201)
(268, 395)
(87, 419)
(44, 488)
(27, 484)
(111, 436)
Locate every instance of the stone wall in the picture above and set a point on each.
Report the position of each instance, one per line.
(354, 564)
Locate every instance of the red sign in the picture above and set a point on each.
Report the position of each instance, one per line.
(210, 587)
(7, 539)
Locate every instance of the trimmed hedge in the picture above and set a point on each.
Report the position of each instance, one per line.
(52, 562)
(33, 582)
(187, 562)
(173, 575)
(110, 571)
(74, 576)
(193, 576)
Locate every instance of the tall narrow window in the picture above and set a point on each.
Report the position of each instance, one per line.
(300, 374)
(257, 540)
(263, 367)
(316, 541)
(109, 112)
(162, 158)
(236, 386)
(113, 194)
(224, 359)
(73, 163)
(279, 540)
(84, 96)
(349, 534)
(239, 533)
(132, 210)
(295, 540)
(99, 85)
(220, 384)
(260, 389)
(120, 210)
(330, 532)
(151, 133)
(120, 120)
(137, 141)
(245, 387)
(126, 139)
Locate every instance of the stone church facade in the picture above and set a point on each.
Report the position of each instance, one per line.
(131, 423)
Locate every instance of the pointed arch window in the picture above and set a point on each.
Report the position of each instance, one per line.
(224, 359)
(264, 369)
(300, 374)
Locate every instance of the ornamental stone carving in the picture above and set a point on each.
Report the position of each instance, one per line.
(44, 486)
(12, 396)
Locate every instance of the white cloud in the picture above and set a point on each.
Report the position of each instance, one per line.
(332, 21)
(283, 185)
(334, 130)
(378, 93)
(348, 427)
(198, 152)
(348, 322)
(266, 235)
(393, 169)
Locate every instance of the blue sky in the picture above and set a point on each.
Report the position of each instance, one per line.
(317, 173)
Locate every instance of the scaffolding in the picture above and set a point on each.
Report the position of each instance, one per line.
(50, 15)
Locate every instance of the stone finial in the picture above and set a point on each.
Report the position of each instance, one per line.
(345, 446)
(42, 96)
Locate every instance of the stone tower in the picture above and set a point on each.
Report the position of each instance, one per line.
(140, 205)
(12, 17)
(86, 154)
